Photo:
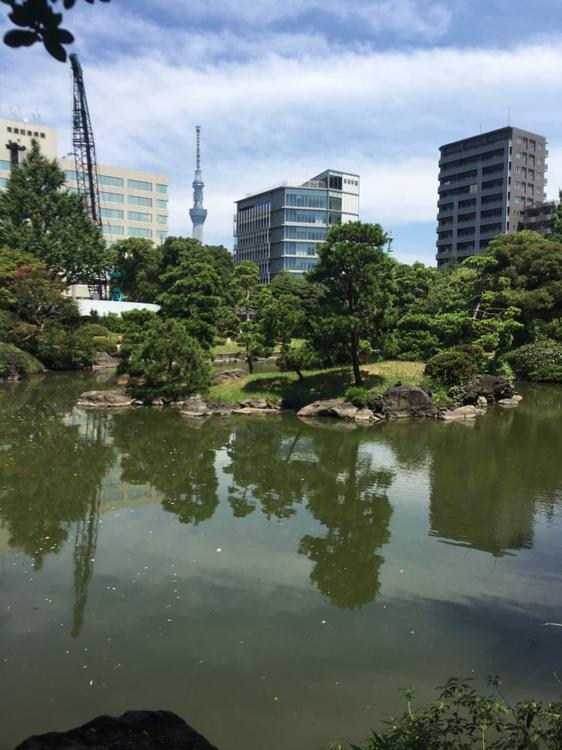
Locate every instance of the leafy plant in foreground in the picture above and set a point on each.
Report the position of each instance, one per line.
(464, 719)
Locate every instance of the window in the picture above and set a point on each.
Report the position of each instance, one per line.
(161, 219)
(304, 233)
(73, 191)
(9, 129)
(161, 236)
(139, 185)
(111, 213)
(71, 176)
(519, 155)
(42, 135)
(139, 232)
(306, 217)
(138, 216)
(111, 197)
(161, 203)
(36, 134)
(306, 199)
(112, 229)
(335, 182)
(473, 188)
(161, 188)
(3, 182)
(137, 200)
(299, 264)
(5, 165)
(299, 248)
(468, 203)
(111, 181)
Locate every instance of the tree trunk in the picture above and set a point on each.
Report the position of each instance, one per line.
(355, 357)
(250, 361)
(299, 374)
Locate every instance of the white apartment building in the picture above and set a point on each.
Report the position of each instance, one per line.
(132, 203)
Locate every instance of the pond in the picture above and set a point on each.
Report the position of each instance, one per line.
(274, 582)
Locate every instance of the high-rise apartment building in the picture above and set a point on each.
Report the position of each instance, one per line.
(484, 183)
(132, 203)
(280, 229)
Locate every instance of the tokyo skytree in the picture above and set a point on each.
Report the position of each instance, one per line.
(198, 214)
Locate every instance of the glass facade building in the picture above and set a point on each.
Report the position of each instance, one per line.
(280, 229)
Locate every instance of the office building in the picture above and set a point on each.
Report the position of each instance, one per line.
(132, 203)
(280, 229)
(484, 183)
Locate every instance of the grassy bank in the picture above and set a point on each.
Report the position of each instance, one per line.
(317, 384)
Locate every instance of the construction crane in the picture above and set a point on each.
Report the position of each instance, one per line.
(85, 160)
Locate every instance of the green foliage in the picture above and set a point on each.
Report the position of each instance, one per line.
(93, 329)
(166, 361)
(137, 262)
(64, 349)
(15, 363)
(36, 21)
(541, 361)
(359, 397)
(39, 217)
(356, 274)
(452, 367)
(104, 344)
(190, 289)
(253, 342)
(464, 719)
(297, 359)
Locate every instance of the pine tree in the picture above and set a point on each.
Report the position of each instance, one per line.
(38, 216)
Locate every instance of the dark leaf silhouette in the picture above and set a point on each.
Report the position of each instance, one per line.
(20, 38)
(39, 23)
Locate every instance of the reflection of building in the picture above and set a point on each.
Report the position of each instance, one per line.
(133, 203)
(280, 229)
(484, 181)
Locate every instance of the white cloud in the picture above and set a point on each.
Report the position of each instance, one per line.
(289, 108)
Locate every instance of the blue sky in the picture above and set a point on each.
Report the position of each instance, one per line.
(287, 88)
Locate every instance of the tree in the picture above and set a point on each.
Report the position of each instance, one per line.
(356, 273)
(254, 343)
(137, 263)
(190, 289)
(38, 217)
(246, 285)
(36, 21)
(167, 362)
(556, 233)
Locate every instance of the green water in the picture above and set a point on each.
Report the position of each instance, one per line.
(274, 582)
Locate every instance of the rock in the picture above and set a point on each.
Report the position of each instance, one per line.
(135, 730)
(104, 399)
(123, 380)
(228, 376)
(462, 412)
(481, 402)
(365, 415)
(197, 406)
(492, 387)
(409, 401)
(254, 403)
(509, 402)
(104, 360)
(334, 407)
(255, 410)
(517, 397)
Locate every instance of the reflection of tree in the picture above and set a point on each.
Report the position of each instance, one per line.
(348, 495)
(268, 460)
(174, 456)
(51, 471)
(486, 483)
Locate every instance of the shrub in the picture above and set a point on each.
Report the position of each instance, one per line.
(93, 329)
(541, 361)
(63, 349)
(104, 344)
(165, 362)
(7, 324)
(464, 718)
(359, 397)
(452, 367)
(17, 364)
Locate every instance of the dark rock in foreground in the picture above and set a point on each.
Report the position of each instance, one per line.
(333, 407)
(409, 401)
(135, 730)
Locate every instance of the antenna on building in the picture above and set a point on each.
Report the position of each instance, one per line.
(198, 214)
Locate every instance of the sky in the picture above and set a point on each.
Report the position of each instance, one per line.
(284, 89)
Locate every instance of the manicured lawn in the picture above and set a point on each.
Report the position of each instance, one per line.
(317, 384)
